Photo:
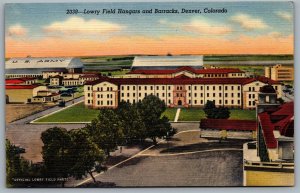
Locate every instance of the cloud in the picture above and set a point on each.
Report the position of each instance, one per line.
(77, 25)
(275, 34)
(199, 26)
(206, 27)
(17, 30)
(284, 15)
(248, 22)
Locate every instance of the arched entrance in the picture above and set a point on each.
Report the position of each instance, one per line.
(179, 102)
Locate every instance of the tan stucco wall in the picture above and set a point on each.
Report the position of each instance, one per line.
(263, 178)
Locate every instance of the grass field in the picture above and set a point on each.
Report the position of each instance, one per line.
(191, 114)
(195, 114)
(170, 113)
(76, 113)
(79, 113)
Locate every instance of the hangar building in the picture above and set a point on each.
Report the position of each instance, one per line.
(34, 67)
(166, 62)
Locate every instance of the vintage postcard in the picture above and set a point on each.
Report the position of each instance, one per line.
(157, 94)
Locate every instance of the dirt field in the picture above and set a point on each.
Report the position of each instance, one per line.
(17, 111)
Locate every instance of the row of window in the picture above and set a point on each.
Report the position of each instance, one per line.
(108, 103)
(181, 87)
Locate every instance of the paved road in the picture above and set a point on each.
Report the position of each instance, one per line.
(216, 168)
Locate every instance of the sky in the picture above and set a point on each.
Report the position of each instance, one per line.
(42, 30)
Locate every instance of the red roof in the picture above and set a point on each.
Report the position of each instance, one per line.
(18, 80)
(182, 81)
(281, 119)
(14, 81)
(190, 69)
(20, 86)
(227, 124)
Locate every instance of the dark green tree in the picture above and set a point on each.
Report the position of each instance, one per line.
(132, 123)
(106, 130)
(16, 166)
(56, 155)
(213, 112)
(151, 109)
(87, 157)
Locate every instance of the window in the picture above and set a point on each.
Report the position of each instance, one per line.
(107, 102)
(226, 102)
(169, 94)
(249, 103)
(189, 87)
(214, 88)
(88, 101)
(169, 101)
(207, 94)
(220, 94)
(201, 101)
(232, 95)
(89, 94)
(220, 87)
(169, 87)
(157, 94)
(195, 101)
(214, 94)
(140, 87)
(157, 87)
(195, 94)
(140, 94)
(195, 87)
(98, 102)
(151, 88)
(163, 87)
(89, 88)
(239, 88)
(232, 102)
(128, 94)
(238, 94)
(133, 87)
(133, 94)
(201, 94)
(145, 87)
(226, 94)
(249, 96)
(220, 101)
(145, 94)
(107, 95)
(128, 88)
(201, 87)
(253, 95)
(232, 87)
(253, 102)
(267, 99)
(207, 88)
(226, 87)
(238, 101)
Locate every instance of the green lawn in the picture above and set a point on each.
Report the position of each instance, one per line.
(170, 113)
(195, 114)
(242, 114)
(77, 113)
(191, 114)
